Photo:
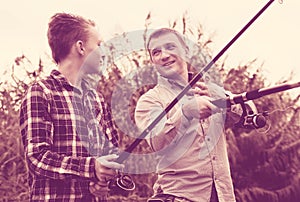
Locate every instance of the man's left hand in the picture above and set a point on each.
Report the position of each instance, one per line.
(200, 88)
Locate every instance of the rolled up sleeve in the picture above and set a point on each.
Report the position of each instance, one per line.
(169, 130)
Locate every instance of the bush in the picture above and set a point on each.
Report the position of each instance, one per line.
(264, 164)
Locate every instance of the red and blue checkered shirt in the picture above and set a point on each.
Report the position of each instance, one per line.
(63, 130)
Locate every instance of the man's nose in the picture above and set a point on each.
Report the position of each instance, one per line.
(102, 50)
(164, 55)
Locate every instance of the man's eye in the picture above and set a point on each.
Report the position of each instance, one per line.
(100, 43)
(170, 46)
(155, 52)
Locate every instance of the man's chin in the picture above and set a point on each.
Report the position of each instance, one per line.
(98, 71)
(101, 70)
(168, 74)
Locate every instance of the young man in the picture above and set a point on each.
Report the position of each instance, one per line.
(193, 162)
(66, 127)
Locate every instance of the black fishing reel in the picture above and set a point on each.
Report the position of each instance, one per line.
(251, 120)
(258, 120)
(121, 185)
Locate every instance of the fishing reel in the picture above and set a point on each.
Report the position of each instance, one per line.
(121, 185)
(251, 120)
(257, 121)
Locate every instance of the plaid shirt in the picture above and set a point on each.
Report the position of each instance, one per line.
(63, 130)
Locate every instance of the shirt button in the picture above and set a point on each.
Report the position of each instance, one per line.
(214, 158)
(208, 139)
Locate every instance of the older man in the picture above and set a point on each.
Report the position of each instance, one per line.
(190, 139)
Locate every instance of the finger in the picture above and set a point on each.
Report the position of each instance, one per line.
(106, 172)
(92, 189)
(108, 161)
(113, 165)
(100, 188)
(198, 91)
(110, 157)
(210, 107)
(101, 192)
(100, 185)
(201, 85)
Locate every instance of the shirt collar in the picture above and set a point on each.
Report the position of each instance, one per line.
(63, 82)
(174, 84)
(61, 79)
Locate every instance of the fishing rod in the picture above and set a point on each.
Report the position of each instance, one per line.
(124, 182)
(252, 95)
(251, 120)
(124, 155)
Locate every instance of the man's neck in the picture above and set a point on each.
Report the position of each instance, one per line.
(71, 72)
(182, 79)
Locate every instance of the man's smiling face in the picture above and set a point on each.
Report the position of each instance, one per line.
(168, 55)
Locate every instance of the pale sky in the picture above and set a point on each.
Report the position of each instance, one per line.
(272, 39)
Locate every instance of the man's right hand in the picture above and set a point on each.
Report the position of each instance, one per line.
(105, 167)
(199, 107)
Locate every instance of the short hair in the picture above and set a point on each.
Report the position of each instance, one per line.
(163, 31)
(63, 31)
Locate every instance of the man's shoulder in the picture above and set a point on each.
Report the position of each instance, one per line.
(154, 95)
(45, 84)
(50, 80)
(152, 92)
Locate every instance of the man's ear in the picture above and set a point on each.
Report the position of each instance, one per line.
(187, 54)
(187, 50)
(79, 47)
(151, 59)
